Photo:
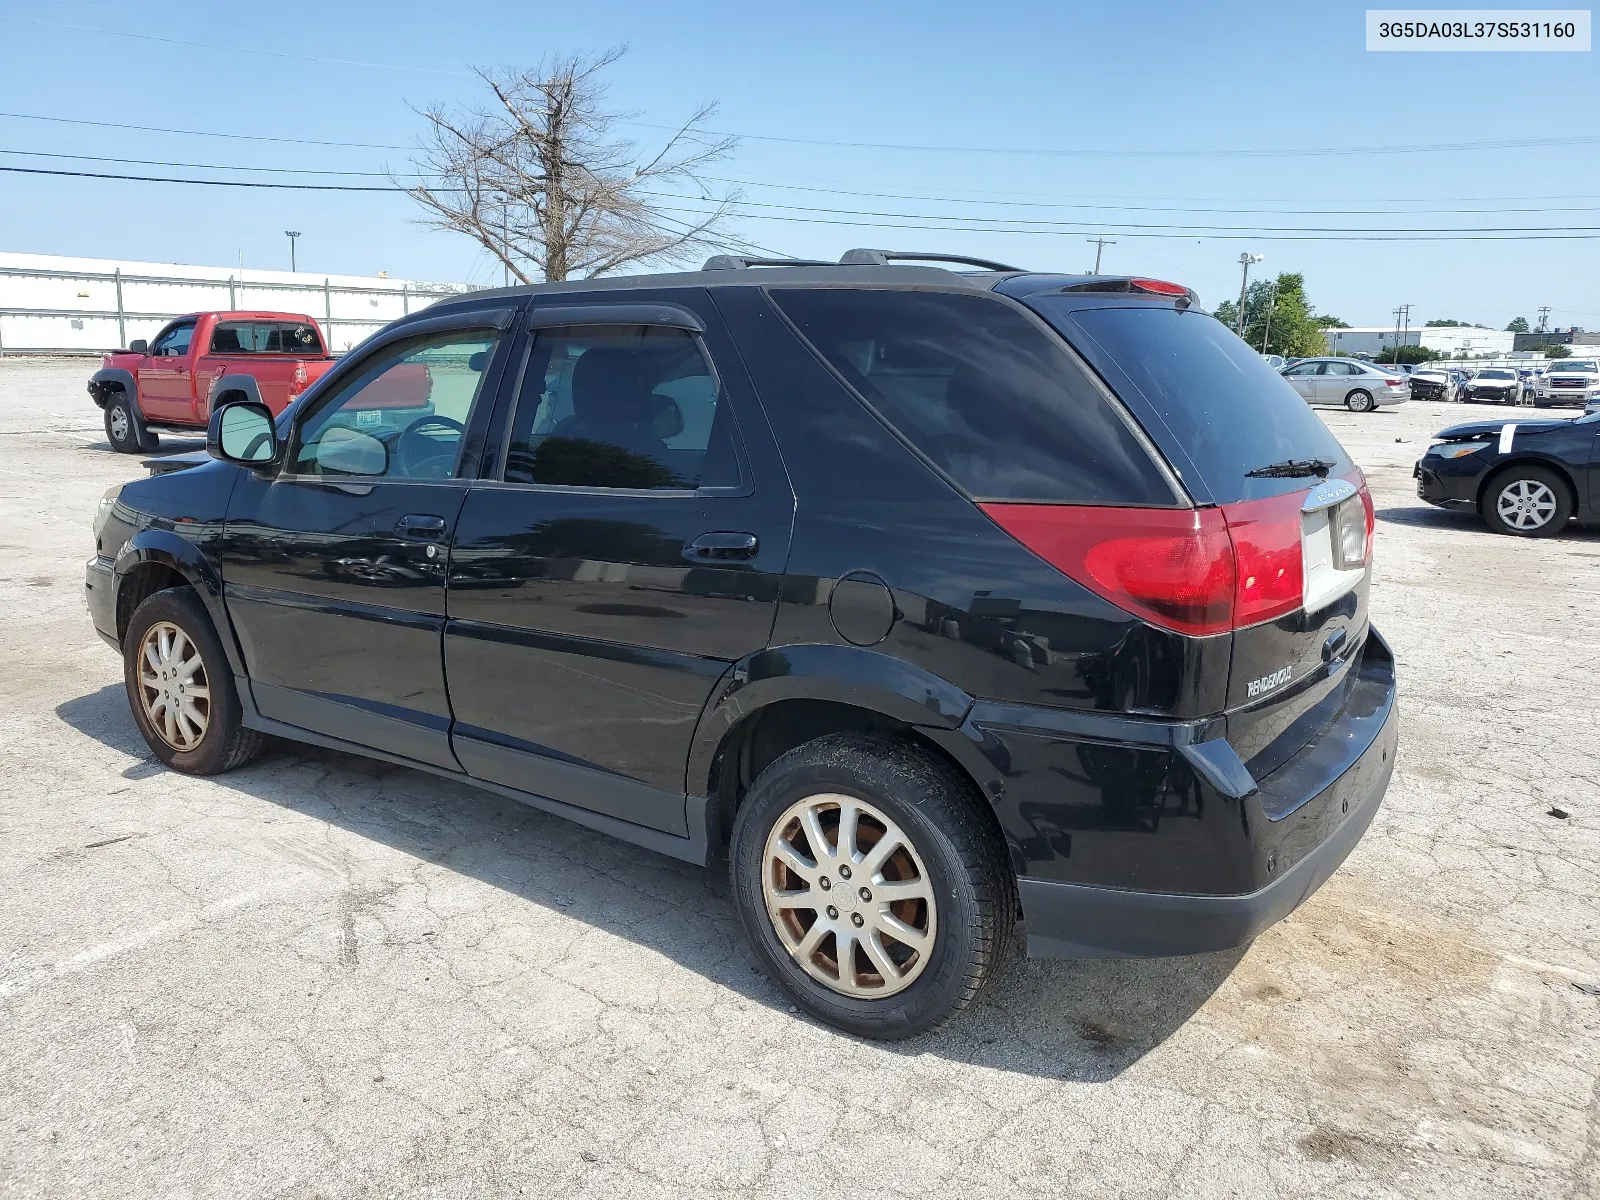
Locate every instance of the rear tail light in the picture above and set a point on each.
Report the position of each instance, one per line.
(298, 381)
(1394, 382)
(1195, 571)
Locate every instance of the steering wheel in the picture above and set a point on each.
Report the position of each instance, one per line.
(427, 458)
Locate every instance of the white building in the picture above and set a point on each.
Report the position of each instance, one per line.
(1453, 341)
(54, 305)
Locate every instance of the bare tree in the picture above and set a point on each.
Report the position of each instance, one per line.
(539, 180)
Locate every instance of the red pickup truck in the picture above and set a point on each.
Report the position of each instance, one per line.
(172, 382)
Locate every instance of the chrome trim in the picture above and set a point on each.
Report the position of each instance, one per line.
(1328, 493)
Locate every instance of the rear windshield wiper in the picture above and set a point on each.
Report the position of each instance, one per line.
(1293, 468)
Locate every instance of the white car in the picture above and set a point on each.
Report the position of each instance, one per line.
(1570, 381)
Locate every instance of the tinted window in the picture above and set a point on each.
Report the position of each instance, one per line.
(1221, 406)
(617, 406)
(1304, 369)
(985, 394)
(401, 414)
(174, 343)
(1340, 368)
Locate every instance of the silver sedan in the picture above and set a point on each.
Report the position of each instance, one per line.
(1358, 385)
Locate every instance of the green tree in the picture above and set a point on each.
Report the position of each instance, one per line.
(1558, 351)
(1326, 322)
(1408, 354)
(1518, 325)
(1277, 318)
(1448, 323)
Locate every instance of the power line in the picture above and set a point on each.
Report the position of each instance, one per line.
(193, 166)
(1280, 233)
(245, 137)
(1036, 151)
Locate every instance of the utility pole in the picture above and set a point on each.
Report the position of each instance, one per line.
(291, 234)
(1404, 312)
(1544, 316)
(1100, 244)
(1245, 261)
(1271, 304)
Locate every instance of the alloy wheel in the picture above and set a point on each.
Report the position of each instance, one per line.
(119, 422)
(1526, 504)
(849, 896)
(173, 686)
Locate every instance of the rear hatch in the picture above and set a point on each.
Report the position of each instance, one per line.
(1294, 504)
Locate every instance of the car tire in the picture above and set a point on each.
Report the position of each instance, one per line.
(180, 687)
(120, 429)
(1359, 401)
(1526, 500)
(950, 861)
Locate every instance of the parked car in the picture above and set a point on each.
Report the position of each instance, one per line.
(1495, 385)
(1527, 477)
(1460, 379)
(1571, 381)
(1359, 386)
(1432, 385)
(839, 574)
(201, 359)
(1276, 361)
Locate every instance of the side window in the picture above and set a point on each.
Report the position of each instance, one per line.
(402, 414)
(620, 406)
(174, 343)
(1343, 368)
(1302, 369)
(985, 394)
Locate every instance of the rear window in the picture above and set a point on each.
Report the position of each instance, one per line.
(1207, 397)
(982, 392)
(266, 337)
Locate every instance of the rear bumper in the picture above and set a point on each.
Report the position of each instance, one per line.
(1327, 794)
(99, 592)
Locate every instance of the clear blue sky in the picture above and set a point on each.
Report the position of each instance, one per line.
(1142, 80)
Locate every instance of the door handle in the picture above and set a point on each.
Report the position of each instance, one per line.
(721, 547)
(420, 525)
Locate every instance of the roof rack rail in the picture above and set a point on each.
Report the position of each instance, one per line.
(736, 262)
(882, 258)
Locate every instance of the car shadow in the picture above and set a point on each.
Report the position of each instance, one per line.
(170, 444)
(1427, 516)
(1082, 1020)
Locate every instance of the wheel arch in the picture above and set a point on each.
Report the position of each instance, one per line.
(781, 698)
(229, 389)
(112, 379)
(155, 559)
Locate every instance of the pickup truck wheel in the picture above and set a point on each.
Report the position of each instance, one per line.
(180, 687)
(870, 886)
(119, 425)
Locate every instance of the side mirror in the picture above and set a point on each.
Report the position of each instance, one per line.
(139, 346)
(243, 433)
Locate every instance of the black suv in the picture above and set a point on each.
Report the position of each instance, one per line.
(926, 599)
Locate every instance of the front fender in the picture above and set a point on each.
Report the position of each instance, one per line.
(165, 548)
(850, 675)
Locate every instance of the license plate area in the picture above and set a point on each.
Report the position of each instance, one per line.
(1329, 569)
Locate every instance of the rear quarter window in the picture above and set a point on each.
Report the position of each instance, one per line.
(1204, 396)
(984, 393)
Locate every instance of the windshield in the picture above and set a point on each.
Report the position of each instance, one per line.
(1495, 375)
(1581, 365)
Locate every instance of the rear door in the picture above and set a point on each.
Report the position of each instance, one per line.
(626, 548)
(1240, 438)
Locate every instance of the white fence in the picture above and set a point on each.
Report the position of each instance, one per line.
(86, 306)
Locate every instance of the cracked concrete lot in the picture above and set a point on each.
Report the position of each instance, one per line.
(323, 976)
